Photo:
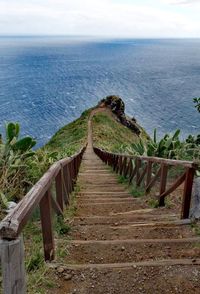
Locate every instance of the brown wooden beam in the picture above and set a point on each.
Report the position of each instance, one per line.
(187, 193)
(47, 230)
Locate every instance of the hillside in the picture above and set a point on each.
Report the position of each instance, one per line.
(111, 135)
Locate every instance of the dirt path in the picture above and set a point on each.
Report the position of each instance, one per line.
(119, 245)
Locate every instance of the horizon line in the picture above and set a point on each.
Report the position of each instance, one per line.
(94, 36)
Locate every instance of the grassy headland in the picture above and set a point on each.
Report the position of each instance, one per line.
(111, 135)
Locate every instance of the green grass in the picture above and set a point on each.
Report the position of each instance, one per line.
(154, 203)
(137, 191)
(38, 279)
(122, 180)
(196, 228)
(111, 135)
(134, 190)
(70, 138)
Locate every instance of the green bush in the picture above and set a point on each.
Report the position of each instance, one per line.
(14, 152)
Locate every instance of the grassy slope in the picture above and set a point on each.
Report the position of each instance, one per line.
(67, 141)
(70, 138)
(111, 135)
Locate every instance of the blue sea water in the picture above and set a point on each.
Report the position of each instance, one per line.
(46, 82)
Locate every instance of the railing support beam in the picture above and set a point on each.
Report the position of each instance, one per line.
(59, 190)
(187, 193)
(163, 183)
(13, 268)
(47, 230)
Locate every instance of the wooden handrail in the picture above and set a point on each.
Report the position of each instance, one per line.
(63, 174)
(183, 163)
(140, 168)
(12, 225)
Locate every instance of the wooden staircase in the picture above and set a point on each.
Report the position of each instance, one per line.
(120, 245)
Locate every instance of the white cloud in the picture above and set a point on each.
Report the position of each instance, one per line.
(93, 17)
(182, 2)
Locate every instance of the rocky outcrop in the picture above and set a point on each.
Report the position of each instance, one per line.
(116, 104)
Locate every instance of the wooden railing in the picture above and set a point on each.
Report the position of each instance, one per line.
(61, 177)
(151, 169)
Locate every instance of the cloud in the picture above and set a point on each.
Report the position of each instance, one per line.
(93, 17)
(182, 2)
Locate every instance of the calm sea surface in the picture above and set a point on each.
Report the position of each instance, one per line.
(47, 82)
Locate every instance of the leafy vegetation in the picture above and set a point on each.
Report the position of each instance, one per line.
(165, 147)
(21, 168)
(170, 146)
(14, 153)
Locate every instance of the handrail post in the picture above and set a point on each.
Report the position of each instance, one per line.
(59, 190)
(139, 164)
(121, 165)
(117, 164)
(149, 173)
(47, 230)
(65, 182)
(124, 166)
(13, 266)
(187, 193)
(163, 182)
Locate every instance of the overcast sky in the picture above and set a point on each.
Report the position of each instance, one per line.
(117, 18)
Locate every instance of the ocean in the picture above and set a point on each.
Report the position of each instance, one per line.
(46, 82)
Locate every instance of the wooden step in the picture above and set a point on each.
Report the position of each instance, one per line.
(102, 232)
(136, 250)
(122, 219)
(109, 208)
(147, 277)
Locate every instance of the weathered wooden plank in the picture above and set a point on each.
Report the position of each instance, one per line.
(139, 181)
(163, 182)
(133, 172)
(187, 193)
(126, 171)
(149, 173)
(47, 230)
(66, 184)
(13, 268)
(117, 164)
(59, 189)
(121, 165)
(56, 206)
(184, 163)
(13, 223)
(139, 164)
(124, 167)
(177, 183)
(153, 180)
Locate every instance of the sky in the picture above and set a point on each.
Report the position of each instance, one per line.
(104, 18)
